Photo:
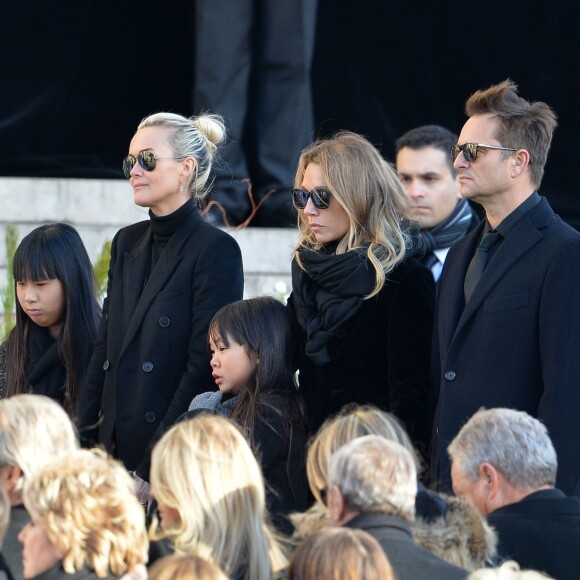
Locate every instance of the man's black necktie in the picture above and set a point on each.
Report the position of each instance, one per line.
(478, 263)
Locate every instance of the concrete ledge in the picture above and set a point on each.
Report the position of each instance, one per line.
(99, 208)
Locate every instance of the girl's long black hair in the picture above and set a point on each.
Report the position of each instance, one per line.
(263, 327)
(48, 252)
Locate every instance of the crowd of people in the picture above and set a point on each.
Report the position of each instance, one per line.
(338, 436)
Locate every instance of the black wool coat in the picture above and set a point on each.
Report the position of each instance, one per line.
(151, 356)
(381, 355)
(540, 532)
(515, 343)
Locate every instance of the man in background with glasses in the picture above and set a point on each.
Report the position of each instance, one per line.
(507, 324)
(425, 167)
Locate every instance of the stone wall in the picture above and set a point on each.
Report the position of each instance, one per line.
(98, 208)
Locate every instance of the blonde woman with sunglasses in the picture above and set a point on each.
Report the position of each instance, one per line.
(168, 276)
(363, 308)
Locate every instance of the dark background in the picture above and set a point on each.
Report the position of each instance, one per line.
(76, 76)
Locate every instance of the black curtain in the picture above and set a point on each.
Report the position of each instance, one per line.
(76, 77)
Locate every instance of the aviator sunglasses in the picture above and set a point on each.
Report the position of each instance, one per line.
(320, 198)
(146, 160)
(470, 150)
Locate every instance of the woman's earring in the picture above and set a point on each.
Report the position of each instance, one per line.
(181, 186)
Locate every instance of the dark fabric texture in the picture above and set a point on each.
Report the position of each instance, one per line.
(479, 262)
(409, 561)
(515, 343)
(541, 532)
(12, 548)
(45, 373)
(259, 80)
(151, 356)
(379, 356)
(449, 231)
(327, 295)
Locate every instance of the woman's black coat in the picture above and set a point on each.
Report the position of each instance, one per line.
(151, 356)
(380, 357)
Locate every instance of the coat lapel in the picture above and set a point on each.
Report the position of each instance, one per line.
(520, 240)
(452, 295)
(166, 265)
(134, 271)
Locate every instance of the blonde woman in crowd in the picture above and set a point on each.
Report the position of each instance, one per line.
(340, 554)
(86, 520)
(211, 498)
(34, 431)
(185, 568)
(168, 276)
(446, 526)
(362, 306)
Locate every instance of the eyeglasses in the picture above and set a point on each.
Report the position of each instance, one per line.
(320, 198)
(146, 159)
(470, 150)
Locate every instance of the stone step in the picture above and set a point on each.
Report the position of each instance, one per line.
(97, 208)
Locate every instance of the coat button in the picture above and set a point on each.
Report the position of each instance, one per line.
(147, 366)
(106, 365)
(164, 322)
(450, 375)
(150, 417)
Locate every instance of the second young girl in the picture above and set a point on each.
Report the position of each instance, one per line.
(57, 316)
(252, 365)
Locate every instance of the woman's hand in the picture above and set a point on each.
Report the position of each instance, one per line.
(142, 489)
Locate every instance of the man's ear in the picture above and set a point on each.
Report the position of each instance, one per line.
(337, 506)
(520, 162)
(492, 481)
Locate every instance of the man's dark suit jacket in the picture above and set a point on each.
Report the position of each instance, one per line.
(409, 561)
(516, 343)
(151, 356)
(541, 532)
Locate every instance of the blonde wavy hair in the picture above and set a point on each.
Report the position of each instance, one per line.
(349, 424)
(205, 470)
(86, 504)
(369, 191)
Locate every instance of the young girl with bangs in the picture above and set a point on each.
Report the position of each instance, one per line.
(252, 364)
(57, 316)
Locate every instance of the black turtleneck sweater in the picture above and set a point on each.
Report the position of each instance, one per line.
(162, 228)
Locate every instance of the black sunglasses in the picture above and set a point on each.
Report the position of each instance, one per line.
(470, 150)
(146, 159)
(320, 198)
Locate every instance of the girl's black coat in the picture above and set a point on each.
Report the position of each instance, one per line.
(151, 356)
(381, 356)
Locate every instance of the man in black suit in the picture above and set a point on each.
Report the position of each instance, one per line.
(507, 321)
(372, 484)
(425, 168)
(504, 462)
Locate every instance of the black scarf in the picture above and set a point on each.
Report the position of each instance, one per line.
(329, 293)
(449, 231)
(44, 374)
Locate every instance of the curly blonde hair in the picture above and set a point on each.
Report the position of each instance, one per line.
(369, 191)
(205, 470)
(87, 506)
